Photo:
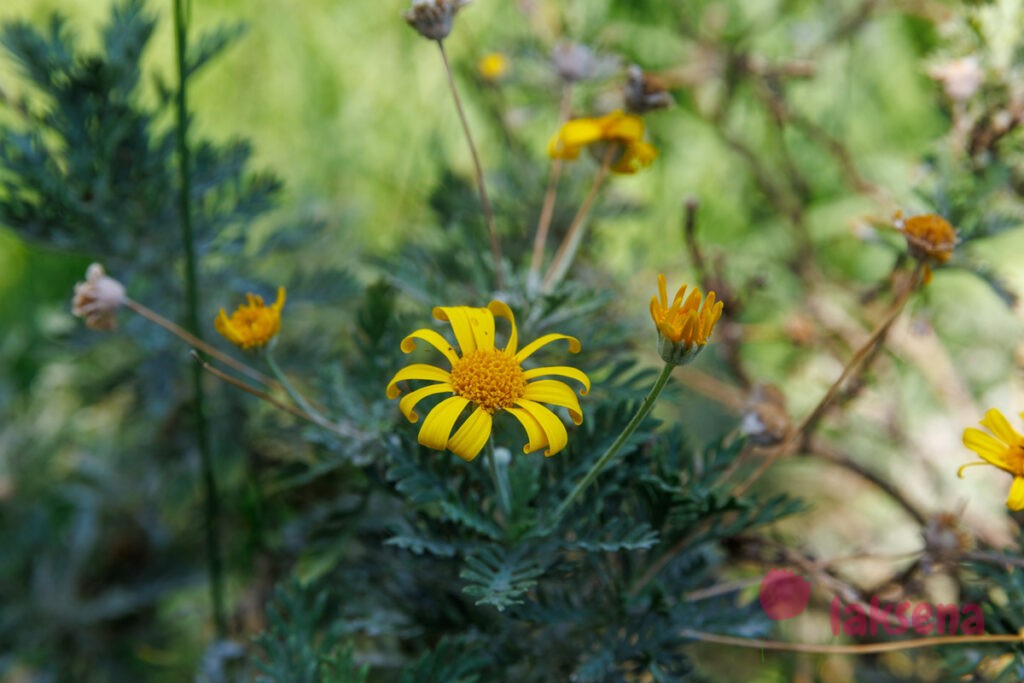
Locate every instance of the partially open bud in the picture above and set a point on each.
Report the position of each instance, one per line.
(97, 299)
(433, 19)
(685, 325)
(644, 92)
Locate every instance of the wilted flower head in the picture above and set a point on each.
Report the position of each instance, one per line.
(930, 238)
(765, 420)
(685, 326)
(1003, 448)
(644, 92)
(492, 66)
(97, 299)
(433, 19)
(960, 78)
(574, 61)
(253, 324)
(616, 127)
(491, 380)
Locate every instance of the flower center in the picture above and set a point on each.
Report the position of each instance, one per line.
(490, 378)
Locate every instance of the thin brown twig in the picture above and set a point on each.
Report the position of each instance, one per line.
(801, 433)
(571, 242)
(548, 207)
(189, 338)
(478, 171)
(288, 408)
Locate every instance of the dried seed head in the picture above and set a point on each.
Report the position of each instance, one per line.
(765, 420)
(97, 299)
(433, 19)
(644, 92)
(574, 61)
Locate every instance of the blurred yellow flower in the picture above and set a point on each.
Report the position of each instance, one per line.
(683, 327)
(930, 238)
(1004, 450)
(252, 324)
(493, 66)
(490, 380)
(617, 127)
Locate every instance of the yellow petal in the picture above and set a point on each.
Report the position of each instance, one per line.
(624, 127)
(529, 349)
(997, 424)
(472, 435)
(410, 400)
(1015, 501)
(501, 309)
(561, 371)
(556, 393)
(437, 426)
(279, 302)
(474, 327)
(416, 371)
(554, 430)
(579, 132)
(986, 446)
(432, 338)
(535, 436)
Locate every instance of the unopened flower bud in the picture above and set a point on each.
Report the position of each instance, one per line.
(684, 325)
(97, 299)
(433, 19)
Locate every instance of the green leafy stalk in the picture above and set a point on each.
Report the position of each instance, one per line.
(212, 502)
(606, 457)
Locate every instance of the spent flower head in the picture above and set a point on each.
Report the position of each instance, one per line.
(490, 380)
(644, 92)
(253, 324)
(626, 130)
(433, 19)
(1002, 448)
(97, 299)
(684, 326)
(930, 238)
(574, 61)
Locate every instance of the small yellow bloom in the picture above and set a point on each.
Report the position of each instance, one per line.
(252, 324)
(493, 66)
(683, 327)
(616, 127)
(930, 238)
(490, 380)
(1004, 450)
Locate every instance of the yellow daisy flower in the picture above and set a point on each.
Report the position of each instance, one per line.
(1003, 448)
(618, 127)
(252, 324)
(683, 327)
(493, 66)
(490, 380)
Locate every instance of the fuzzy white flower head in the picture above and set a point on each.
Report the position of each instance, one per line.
(97, 299)
(433, 19)
(960, 78)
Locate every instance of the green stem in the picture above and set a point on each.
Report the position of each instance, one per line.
(299, 399)
(645, 408)
(500, 481)
(212, 502)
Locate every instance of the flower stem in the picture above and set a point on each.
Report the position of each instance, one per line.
(645, 408)
(299, 399)
(212, 502)
(500, 479)
(571, 242)
(192, 340)
(548, 207)
(478, 171)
